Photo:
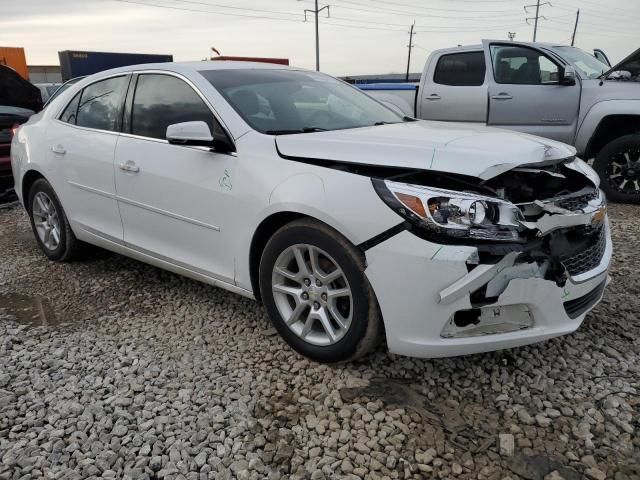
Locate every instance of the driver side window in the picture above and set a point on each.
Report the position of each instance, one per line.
(523, 66)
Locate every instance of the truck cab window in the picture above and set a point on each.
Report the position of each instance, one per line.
(466, 69)
(523, 66)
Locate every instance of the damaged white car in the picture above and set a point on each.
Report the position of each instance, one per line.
(348, 221)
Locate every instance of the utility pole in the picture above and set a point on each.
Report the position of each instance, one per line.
(538, 16)
(575, 28)
(316, 11)
(511, 35)
(406, 78)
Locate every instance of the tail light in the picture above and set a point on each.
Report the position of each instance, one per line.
(14, 129)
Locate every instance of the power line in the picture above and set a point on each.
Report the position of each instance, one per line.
(219, 5)
(209, 11)
(420, 7)
(399, 13)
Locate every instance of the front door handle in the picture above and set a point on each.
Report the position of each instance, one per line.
(129, 166)
(433, 96)
(58, 149)
(502, 96)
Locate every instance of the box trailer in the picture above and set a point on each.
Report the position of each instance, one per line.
(14, 57)
(74, 63)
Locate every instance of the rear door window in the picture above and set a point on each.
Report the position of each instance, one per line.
(465, 69)
(101, 104)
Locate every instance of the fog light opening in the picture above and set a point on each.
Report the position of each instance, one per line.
(488, 321)
(464, 318)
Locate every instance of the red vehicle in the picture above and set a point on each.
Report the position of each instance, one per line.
(19, 99)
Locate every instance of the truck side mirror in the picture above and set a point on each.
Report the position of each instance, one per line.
(568, 76)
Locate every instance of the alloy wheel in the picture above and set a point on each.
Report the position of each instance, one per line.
(46, 220)
(623, 172)
(312, 294)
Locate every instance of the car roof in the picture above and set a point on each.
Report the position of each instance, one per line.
(183, 67)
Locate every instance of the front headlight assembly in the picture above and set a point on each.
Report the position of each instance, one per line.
(449, 216)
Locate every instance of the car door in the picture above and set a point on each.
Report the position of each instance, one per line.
(176, 202)
(82, 142)
(455, 88)
(526, 92)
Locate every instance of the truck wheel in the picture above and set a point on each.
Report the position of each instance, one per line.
(49, 223)
(313, 286)
(618, 165)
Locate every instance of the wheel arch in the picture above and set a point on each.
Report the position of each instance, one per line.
(261, 236)
(28, 179)
(610, 128)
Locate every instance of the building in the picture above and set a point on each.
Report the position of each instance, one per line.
(44, 74)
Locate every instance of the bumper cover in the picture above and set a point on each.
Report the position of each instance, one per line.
(421, 285)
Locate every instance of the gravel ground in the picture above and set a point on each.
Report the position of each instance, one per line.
(139, 373)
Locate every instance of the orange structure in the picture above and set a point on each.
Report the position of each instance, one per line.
(14, 57)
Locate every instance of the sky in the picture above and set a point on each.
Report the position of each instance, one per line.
(359, 37)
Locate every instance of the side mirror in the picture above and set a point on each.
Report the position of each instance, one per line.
(190, 133)
(198, 134)
(568, 76)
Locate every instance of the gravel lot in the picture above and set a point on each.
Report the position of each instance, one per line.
(139, 373)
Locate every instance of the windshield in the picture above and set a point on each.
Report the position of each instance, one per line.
(587, 65)
(289, 101)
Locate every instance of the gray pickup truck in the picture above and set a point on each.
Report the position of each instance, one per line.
(554, 91)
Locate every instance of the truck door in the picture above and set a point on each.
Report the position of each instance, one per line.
(527, 92)
(454, 88)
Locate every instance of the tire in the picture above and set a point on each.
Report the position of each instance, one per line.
(67, 246)
(354, 318)
(614, 168)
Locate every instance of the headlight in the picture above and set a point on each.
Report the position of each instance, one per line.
(448, 215)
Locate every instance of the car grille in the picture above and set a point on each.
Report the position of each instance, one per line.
(577, 307)
(577, 203)
(589, 258)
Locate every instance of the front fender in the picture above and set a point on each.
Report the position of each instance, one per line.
(598, 112)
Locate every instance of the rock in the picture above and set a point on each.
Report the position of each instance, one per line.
(200, 459)
(506, 444)
(595, 474)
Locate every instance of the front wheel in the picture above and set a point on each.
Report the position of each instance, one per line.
(313, 285)
(618, 165)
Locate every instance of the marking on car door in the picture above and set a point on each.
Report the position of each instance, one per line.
(225, 181)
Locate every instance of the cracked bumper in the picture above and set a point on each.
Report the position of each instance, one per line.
(409, 274)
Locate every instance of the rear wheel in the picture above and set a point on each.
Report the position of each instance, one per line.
(313, 285)
(618, 165)
(49, 223)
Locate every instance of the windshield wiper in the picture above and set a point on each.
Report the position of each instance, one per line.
(298, 130)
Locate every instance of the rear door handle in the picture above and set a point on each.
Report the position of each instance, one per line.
(129, 166)
(433, 96)
(58, 149)
(502, 96)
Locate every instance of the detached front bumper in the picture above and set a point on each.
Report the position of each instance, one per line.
(420, 286)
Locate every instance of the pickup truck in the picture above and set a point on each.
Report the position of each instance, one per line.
(559, 92)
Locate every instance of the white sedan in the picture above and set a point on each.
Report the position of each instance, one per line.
(348, 221)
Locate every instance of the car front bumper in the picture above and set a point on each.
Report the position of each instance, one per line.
(6, 178)
(421, 285)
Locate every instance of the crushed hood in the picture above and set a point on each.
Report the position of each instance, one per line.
(630, 64)
(454, 148)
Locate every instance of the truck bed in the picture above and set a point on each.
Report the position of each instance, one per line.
(402, 97)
